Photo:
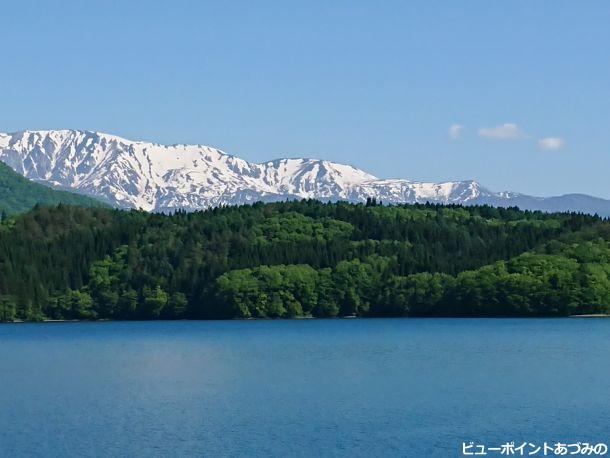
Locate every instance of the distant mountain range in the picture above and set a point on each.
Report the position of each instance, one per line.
(154, 177)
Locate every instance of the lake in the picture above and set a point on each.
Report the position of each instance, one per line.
(360, 387)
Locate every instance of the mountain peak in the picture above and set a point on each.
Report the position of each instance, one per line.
(155, 177)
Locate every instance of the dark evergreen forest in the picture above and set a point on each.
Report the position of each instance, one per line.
(302, 258)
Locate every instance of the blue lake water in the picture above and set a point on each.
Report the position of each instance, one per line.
(393, 387)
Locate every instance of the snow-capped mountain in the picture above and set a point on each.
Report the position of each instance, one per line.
(154, 177)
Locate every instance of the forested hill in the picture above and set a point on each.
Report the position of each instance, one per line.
(302, 259)
(18, 194)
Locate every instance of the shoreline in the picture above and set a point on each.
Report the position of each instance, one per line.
(591, 315)
(103, 320)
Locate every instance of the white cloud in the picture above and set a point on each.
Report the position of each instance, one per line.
(551, 143)
(507, 131)
(455, 130)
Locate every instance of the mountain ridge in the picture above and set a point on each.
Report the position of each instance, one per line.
(157, 177)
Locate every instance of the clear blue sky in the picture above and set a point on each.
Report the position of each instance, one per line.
(373, 84)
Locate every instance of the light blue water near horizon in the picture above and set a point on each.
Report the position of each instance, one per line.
(370, 387)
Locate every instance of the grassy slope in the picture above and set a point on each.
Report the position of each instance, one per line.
(18, 194)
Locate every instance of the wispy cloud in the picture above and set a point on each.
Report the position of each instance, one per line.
(551, 143)
(455, 130)
(507, 131)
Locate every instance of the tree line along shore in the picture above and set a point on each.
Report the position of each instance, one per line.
(302, 259)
